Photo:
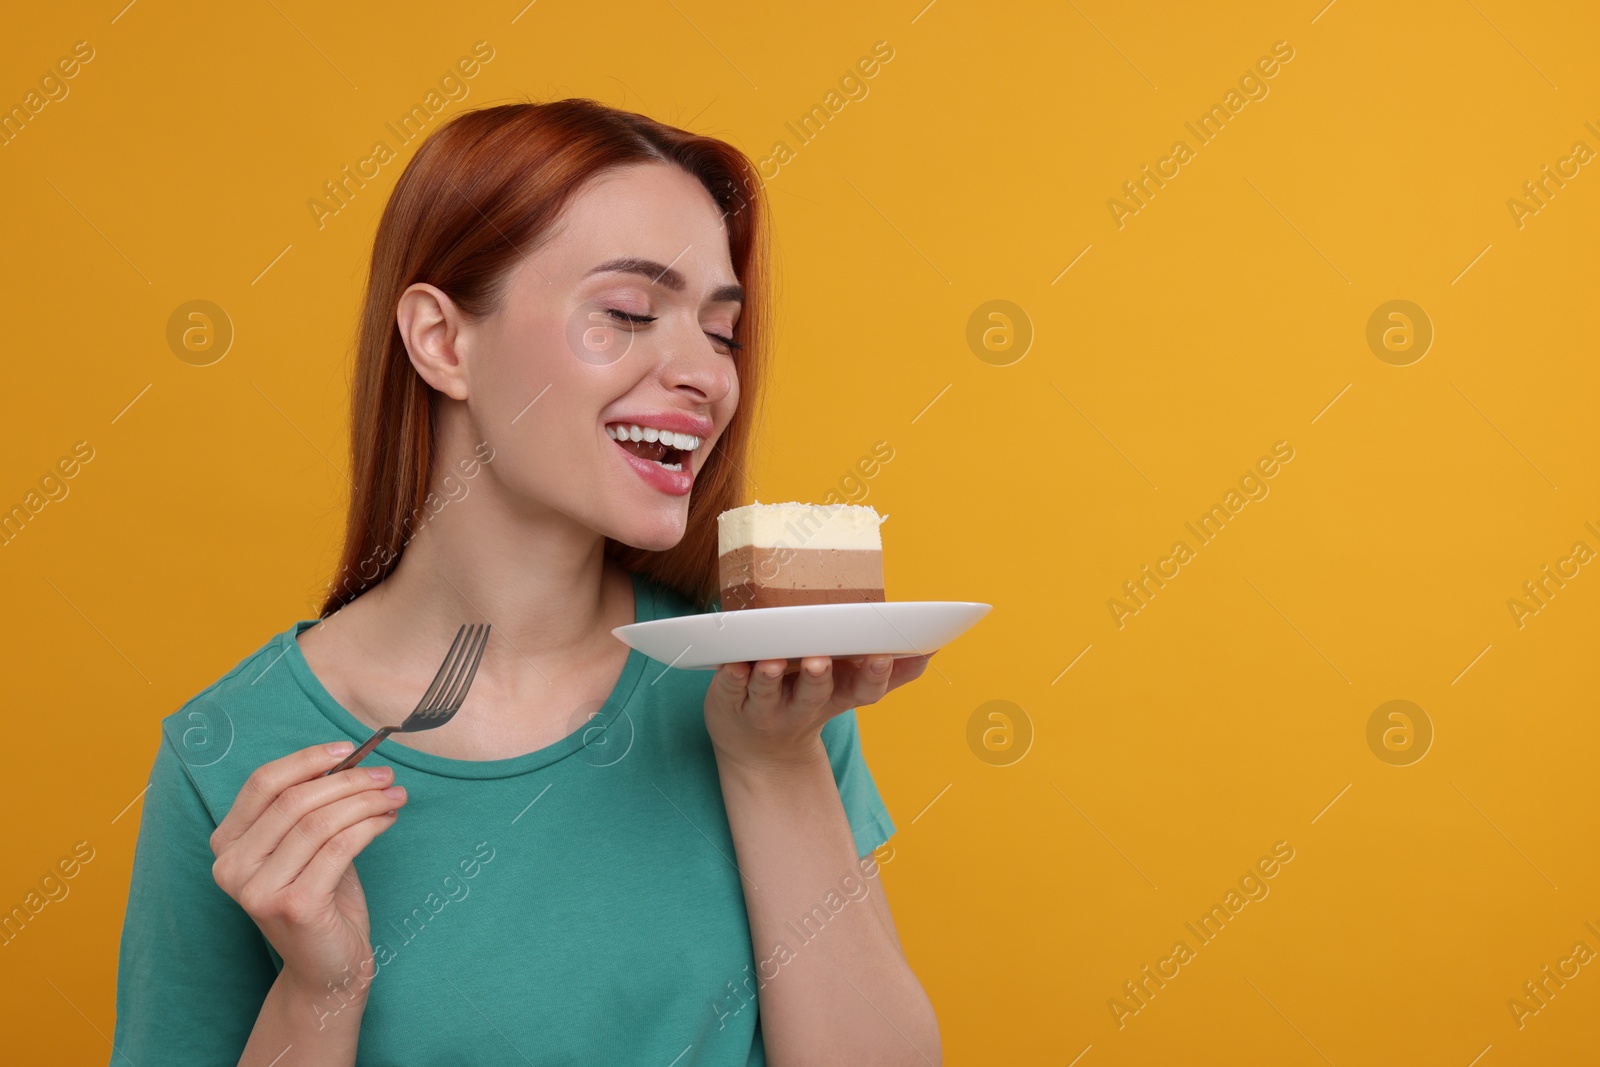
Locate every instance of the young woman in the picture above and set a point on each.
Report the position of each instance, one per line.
(600, 859)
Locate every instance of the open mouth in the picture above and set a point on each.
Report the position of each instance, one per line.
(671, 451)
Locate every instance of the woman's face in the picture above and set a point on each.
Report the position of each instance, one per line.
(613, 327)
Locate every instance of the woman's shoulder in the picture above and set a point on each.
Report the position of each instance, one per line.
(243, 718)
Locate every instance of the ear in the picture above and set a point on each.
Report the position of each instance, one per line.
(434, 331)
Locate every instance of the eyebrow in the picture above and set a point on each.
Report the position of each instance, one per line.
(667, 276)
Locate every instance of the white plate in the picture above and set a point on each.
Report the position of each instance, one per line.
(706, 641)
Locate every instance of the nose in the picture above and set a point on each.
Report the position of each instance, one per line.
(695, 367)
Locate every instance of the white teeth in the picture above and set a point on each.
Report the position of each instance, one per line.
(634, 432)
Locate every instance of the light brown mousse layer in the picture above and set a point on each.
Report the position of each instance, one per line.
(754, 577)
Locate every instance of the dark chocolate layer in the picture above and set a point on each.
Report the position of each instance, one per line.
(752, 595)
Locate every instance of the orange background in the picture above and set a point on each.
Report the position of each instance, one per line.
(1043, 859)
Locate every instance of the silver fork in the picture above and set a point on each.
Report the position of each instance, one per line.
(443, 698)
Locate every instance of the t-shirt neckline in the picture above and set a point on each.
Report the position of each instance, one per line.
(644, 609)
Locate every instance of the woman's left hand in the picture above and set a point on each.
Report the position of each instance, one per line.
(759, 719)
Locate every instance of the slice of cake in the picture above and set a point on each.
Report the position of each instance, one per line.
(780, 555)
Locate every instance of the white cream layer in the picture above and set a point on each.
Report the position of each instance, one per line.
(796, 525)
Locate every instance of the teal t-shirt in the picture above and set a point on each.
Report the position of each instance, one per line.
(574, 905)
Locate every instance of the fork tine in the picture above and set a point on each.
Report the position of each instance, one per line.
(448, 672)
(469, 664)
(458, 692)
(443, 698)
(444, 671)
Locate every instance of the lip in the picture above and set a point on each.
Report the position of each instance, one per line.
(676, 421)
(673, 483)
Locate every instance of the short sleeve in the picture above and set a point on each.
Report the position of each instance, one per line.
(869, 818)
(193, 969)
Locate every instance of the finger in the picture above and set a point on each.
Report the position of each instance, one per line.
(766, 684)
(268, 833)
(732, 680)
(907, 669)
(269, 780)
(304, 855)
(871, 682)
(331, 865)
(814, 684)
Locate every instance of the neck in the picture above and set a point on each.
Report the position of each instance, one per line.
(540, 580)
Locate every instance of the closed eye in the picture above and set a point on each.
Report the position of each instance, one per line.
(628, 317)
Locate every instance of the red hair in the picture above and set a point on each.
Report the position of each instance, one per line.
(485, 186)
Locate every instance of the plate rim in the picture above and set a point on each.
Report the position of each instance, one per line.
(632, 626)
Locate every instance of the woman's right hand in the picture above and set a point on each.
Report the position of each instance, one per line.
(284, 853)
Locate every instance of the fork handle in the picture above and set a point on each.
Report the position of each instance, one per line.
(361, 753)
